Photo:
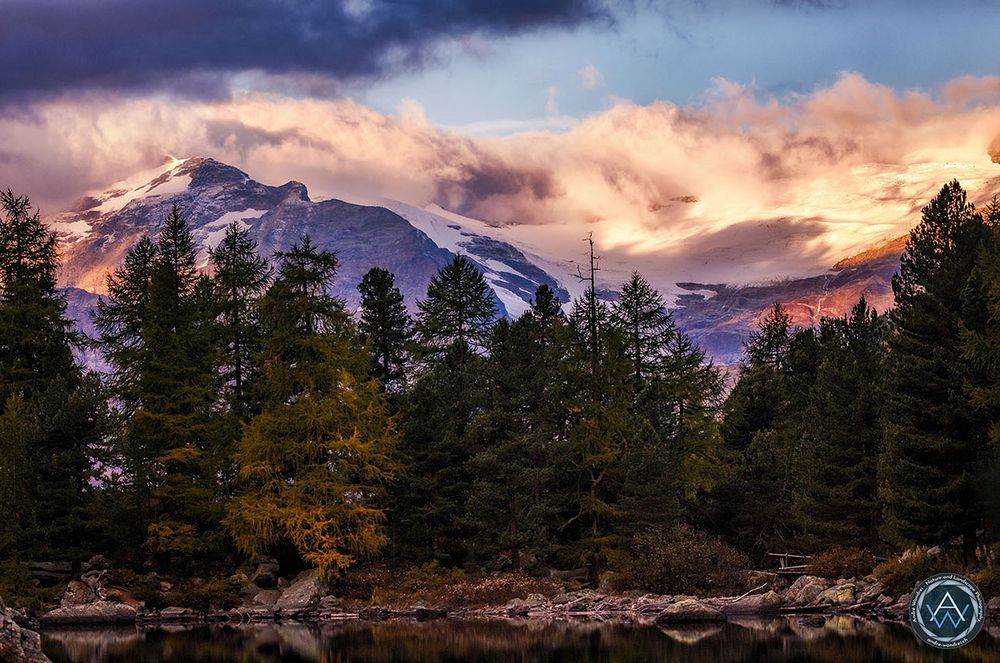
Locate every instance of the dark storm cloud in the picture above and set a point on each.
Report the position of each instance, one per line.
(190, 46)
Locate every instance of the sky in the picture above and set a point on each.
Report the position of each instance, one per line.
(698, 139)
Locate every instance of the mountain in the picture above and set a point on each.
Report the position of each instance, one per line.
(413, 244)
(719, 317)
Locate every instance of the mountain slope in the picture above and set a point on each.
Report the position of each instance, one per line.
(101, 228)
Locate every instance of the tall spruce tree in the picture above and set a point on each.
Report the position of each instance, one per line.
(981, 346)
(241, 276)
(458, 312)
(46, 401)
(452, 333)
(518, 439)
(386, 327)
(933, 439)
(157, 329)
(836, 502)
(316, 461)
(645, 325)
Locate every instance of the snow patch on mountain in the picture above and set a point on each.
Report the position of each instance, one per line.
(212, 233)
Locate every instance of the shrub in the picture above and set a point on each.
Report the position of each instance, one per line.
(682, 560)
(899, 575)
(17, 588)
(205, 596)
(446, 589)
(989, 581)
(842, 562)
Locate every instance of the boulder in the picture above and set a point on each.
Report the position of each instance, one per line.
(266, 575)
(77, 593)
(303, 594)
(690, 610)
(18, 645)
(805, 590)
(838, 595)
(267, 597)
(870, 592)
(98, 612)
(769, 602)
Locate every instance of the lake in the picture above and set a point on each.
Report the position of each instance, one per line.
(834, 639)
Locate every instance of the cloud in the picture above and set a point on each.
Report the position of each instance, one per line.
(194, 47)
(590, 77)
(737, 187)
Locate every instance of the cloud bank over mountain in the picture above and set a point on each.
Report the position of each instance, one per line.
(740, 185)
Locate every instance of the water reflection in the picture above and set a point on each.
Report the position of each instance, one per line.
(836, 639)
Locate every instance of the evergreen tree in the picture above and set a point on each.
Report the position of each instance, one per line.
(519, 438)
(157, 329)
(647, 328)
(452, 333)
(933, 439)
(48, 429)
(35, 334)
(240, 277)
(836, 502)
(386, 327)
(316, 461)
(981, 347)
(458, 312)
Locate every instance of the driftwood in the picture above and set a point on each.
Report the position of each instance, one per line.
(572, 574)
(746, 594)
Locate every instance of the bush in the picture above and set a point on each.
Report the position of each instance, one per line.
(446, 589)
(899, 575)
(17, 588)
(842, 562)
(204, 596)
(682, 560)
(989, 581)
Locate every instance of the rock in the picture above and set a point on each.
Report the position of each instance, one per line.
(775, 581)
(18, 645)
(266, 575)
(96, 563)
(303, 594)
(50, 573)
(870, 592)
(267, 597)
(174, 614)
(769, 602)
(993, 605)
(837, 595)
(77, 593)
(525, 605)
(98, 612)
(166, 586)
(805, 589)
(690, 610)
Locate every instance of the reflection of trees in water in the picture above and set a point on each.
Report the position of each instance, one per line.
(831, 639)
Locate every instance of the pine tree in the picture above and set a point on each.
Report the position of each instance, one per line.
(933, 440)
(35, 334)
(458, 312)
(240, 277)
(48, 432)
(836, 502)
(648, 329)
(157, 329)
(316, 461)
(519, 438)
(981, 347)
(386, 327)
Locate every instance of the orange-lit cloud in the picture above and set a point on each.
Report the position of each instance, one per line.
(736, 188)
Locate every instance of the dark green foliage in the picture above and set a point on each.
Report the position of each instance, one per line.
(836, 501)
(518, 438)
(456, 317)
(386, 328)
(240, 278)
(899, 576)
(934, 441)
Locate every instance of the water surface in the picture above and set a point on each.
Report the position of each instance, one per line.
(836, 640)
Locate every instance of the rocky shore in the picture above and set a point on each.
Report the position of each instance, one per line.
(306, 599)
